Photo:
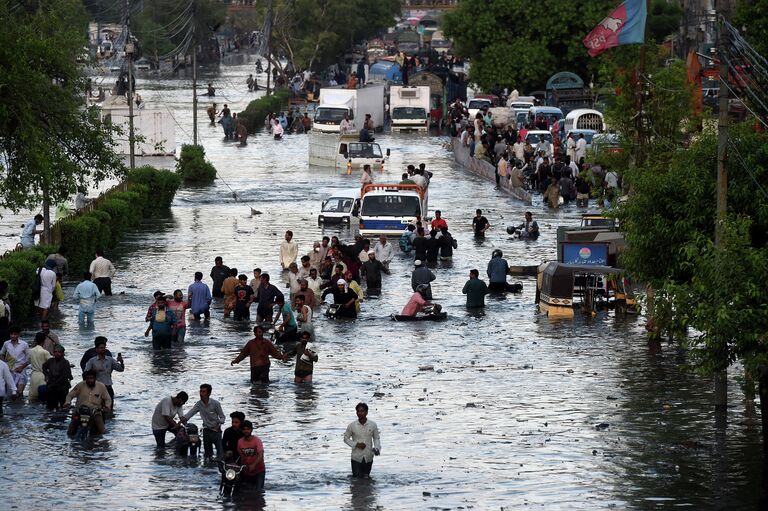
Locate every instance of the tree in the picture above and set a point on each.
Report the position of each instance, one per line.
(520, 43)
(311, 34)
(664, 19)
(49, 142)
(752, 19)
(169, 27)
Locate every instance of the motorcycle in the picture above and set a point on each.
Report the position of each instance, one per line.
(231, 474)
(332, 310)
(82, 416)
(187, 440)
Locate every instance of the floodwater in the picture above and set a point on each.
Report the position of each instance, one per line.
(505, 417)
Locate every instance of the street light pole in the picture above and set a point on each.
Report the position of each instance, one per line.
(129, 49)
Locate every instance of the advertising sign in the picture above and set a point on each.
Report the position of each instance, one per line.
(595, 254)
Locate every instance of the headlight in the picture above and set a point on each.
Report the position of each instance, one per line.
(230, 474)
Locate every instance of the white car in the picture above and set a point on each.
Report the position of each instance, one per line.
(533, 138)
(477, 104)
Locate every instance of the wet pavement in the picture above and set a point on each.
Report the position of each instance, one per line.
(494, 410)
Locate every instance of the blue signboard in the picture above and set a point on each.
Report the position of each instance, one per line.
(595, 254)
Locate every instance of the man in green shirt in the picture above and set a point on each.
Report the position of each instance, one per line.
(475, 289)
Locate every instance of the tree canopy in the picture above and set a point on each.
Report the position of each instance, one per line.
(313, 33)
(521, 43)
(50, 143)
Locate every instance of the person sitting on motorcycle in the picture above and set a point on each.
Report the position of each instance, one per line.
(417, 302)
(344, 298)
(231, 436)
(94, 395)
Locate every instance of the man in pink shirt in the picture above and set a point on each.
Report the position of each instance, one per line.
(416, 303)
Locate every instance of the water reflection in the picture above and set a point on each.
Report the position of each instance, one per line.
(504, 400)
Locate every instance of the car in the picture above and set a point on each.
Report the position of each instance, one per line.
(340, 207)
(533, 137)
(550, 113)
(608, 142)
(476, 104)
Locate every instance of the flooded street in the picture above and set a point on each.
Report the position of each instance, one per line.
(516, 409)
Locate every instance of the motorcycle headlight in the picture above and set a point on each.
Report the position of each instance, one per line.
(230, 474)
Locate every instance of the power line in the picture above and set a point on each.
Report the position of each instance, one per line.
(744, 165)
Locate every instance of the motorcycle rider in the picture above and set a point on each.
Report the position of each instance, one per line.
(232, 435)
(94, 395)
(529, 228)
(251, 451)
(418, 301)
(344, 298)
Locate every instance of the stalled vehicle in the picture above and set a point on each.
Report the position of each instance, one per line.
(340, 207)
(389, 208)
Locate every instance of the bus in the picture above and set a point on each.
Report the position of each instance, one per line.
(389, 208)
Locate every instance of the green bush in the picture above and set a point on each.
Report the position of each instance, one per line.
(161, 186)
(257, 110)
(193, 167)
(18, 270)
(149, 189)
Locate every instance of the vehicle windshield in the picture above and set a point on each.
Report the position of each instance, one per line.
(338, 205)
(440, 43)
(525, 106)
(587, 136)
(391, 205)
(408, 112)
(327, 114)
(533, 138)
(478, 103)
(364, 150)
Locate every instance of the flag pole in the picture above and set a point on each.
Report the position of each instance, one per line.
(639, 134)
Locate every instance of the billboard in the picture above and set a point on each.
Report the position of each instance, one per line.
(595, 254)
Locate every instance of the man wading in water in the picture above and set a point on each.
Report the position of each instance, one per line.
(259, 350)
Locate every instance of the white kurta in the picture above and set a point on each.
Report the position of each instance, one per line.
(47, 283)
(37, 357)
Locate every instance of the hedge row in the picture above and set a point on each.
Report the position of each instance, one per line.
(18, 270)
(257, 110)
(149, 189)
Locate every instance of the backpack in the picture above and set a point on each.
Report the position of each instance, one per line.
(37, 284)
(405, 242)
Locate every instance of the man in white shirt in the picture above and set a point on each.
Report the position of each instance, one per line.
(29, 231)
(346, 124)
(47, 283)
(289, 250)
(465, 136)
(581, 148)
(102, 272)
(384, 251)
(314, 282)
(574, 169)
(162, 420)
(570, 145)
(213, 418)
(420, 180)
(362, 436)
(518, 148)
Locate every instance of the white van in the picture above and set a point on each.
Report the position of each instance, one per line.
(584, 119)
(340, 207)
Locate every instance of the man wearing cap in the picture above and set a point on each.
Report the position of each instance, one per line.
(372, 270)
(422, 275)
(344, 297)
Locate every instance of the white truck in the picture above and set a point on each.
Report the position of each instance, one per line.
(335, 102)
(409, 108)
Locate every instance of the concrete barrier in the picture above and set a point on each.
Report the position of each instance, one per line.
(485, 169)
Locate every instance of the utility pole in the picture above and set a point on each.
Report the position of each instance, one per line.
(639, 134)
(269, 43)
(129, 49)
(721, 381)
(194, 78)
